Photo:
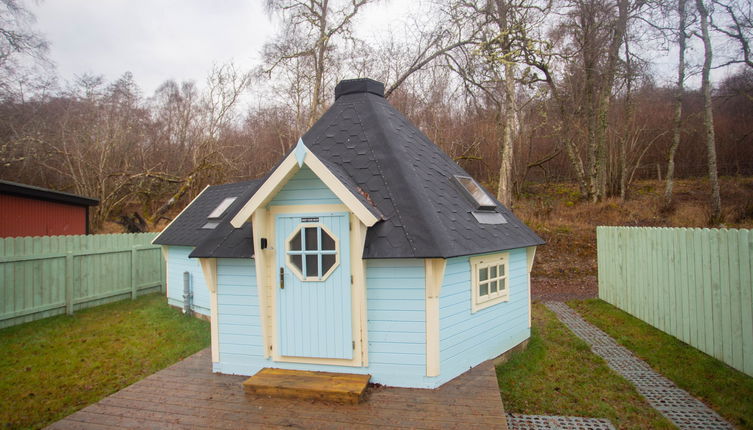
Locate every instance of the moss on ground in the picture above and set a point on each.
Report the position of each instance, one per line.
(53, 367)
(726, 390)
(559, 375)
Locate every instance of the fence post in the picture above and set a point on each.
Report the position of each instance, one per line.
(163, 271)
(134, 284)
(69, 283)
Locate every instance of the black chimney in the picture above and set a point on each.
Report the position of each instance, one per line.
(363, 85)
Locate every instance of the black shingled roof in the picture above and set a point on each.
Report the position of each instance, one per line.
(383, 158)
(186, 229)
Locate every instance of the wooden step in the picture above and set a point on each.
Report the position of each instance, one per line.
(301, 384)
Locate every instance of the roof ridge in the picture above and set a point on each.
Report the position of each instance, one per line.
(381, 103)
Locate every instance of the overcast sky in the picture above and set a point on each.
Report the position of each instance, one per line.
(158, 40)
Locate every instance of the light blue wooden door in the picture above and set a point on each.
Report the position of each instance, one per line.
(313, 286)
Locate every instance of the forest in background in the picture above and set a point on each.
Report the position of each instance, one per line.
(518, 92)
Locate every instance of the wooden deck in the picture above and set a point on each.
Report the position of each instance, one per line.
(189, 395)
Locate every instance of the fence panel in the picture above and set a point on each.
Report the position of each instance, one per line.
(695, 284)
(51, 275)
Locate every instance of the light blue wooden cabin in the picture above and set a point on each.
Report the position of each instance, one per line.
(366, 250)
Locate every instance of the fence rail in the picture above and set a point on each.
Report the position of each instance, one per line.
(51, 275)
(695, 284)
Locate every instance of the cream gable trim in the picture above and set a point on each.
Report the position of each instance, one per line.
(289, 166)
(269, 188)
(434, 276)
(209, 268)
(340, 190)
(179, 214)
(530, 255)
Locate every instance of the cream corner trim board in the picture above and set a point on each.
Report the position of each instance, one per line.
(434, 273)
(530, 255)
(209, 269)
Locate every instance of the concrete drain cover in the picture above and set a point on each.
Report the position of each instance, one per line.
(684, 410)
(546, 422)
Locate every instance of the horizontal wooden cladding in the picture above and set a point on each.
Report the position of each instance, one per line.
(21, 216)
(239, 323)
(467, 338)
(189, 395)
(51, 275)
(178, 262)
(305, 188)
(695, 284)
(300, 384)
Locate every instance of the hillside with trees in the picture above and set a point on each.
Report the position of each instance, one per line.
(523, 94)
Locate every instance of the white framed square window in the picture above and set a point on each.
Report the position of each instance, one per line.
(489, 280)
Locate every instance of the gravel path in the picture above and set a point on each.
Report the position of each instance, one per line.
(684, 410)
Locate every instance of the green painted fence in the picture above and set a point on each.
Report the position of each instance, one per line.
(52, 275)
(695, 284)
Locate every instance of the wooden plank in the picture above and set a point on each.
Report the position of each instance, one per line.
(337, 387)
(725, 297)
(601, 264)
(134, 273)
(666, 281)
(734, 287)
(69, 283)
(716, 299)
(682, 266)
(745, 249)
(691, 287)
(708, 295)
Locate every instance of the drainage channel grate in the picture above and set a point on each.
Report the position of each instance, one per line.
(547, 422)
(684, 410)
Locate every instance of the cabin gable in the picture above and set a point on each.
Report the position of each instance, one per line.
(305, 188)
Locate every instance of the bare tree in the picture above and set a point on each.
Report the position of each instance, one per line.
(682, 37)
(308, 41)
(708, 115)
(507, 33)
(18, 41)
(738, 27)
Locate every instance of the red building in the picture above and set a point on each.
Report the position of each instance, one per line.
(32, 211)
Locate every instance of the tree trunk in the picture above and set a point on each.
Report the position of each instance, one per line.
(605, 95)
(708, 115)
(676, 132)
(504, 189)
(321, 50)
(629, 123)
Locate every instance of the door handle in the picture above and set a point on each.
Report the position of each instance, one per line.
(282, 278)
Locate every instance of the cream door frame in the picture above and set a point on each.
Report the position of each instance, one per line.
(263, 222)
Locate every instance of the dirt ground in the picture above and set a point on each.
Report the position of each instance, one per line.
(566, 267)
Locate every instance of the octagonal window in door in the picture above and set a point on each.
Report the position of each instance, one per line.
(312, 252)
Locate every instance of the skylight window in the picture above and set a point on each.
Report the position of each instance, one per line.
(221, 208)
(476, 193)
(211, 225)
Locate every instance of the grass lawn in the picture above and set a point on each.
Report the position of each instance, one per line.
(559, 375)
(726, 390)
(53, 367)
